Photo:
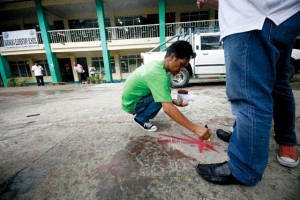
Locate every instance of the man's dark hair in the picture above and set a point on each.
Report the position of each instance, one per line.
(181, 49)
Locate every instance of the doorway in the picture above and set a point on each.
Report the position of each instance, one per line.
(82, 61)
(66, 70)
(59, 25)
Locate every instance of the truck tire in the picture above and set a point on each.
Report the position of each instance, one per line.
(181, 79)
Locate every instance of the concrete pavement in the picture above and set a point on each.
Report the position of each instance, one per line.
(75, 142)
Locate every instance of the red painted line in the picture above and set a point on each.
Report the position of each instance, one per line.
(189, 137)
(202, 145)
(180, 142)
(174, 137)
(216, 144)
(210, 147)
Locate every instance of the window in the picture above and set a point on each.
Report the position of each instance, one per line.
(152, 19)
(194, 16)
(93, 23)
(74, 24)
(59, 25)
(45, 66)
(216, 15)
(32, 26)
(124, 64)
(98, 63)
(20, 69)
(128, 21)
(9, 28)
(90, 23)
(211, 42)
(130, 63)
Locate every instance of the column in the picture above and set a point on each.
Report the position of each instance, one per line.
(51, 57)
(4, 70)
(162, 23)
(103, 37)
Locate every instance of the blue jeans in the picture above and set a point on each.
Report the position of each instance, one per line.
(147, 109)
(258, 88)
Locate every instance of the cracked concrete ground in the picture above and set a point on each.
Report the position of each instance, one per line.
(75, 142)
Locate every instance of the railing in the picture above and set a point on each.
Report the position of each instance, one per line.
(196, 27)
(126, 32)
(132, 32)
(75, 35)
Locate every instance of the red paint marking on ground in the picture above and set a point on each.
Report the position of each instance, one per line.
(189, 137)
(202, 145)
(174, 141)
(217, 144)
(174, 137)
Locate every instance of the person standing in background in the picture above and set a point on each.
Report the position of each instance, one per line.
(92, 70)
(69, 73)
(258, 39)
(80, 71)
(38, 72)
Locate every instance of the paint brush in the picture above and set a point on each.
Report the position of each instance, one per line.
(208, 140)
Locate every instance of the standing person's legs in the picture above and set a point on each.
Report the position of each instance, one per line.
(249, 86)
(79, 77)
(284, 104)
(38, 80)
(251, 66)
(284, 114)
(83, 78)
(253, 102)
(42, 80)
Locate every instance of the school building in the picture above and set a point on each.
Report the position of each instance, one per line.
(110, 35)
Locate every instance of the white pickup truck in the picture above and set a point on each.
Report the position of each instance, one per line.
(209, 63)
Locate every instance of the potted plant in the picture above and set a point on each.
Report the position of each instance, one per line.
(23, 83)
(11, 82)
(102, 74)
(93, 81)
(97, 79)
(88, 80)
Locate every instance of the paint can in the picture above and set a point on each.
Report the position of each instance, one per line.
(182, 97)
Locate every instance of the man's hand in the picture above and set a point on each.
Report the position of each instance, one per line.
(201, 3)
(208, 3)
(173, 112)
(202, 132)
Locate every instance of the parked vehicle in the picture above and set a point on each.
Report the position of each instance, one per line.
(295, 59)
(209, 62)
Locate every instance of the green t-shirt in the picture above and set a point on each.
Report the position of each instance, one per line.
(151, 78)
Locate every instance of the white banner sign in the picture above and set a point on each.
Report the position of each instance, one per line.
(20, 39)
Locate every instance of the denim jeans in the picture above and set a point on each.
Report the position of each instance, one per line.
(147, 109)
(258, 88)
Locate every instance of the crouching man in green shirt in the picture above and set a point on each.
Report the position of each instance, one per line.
(147, 90)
